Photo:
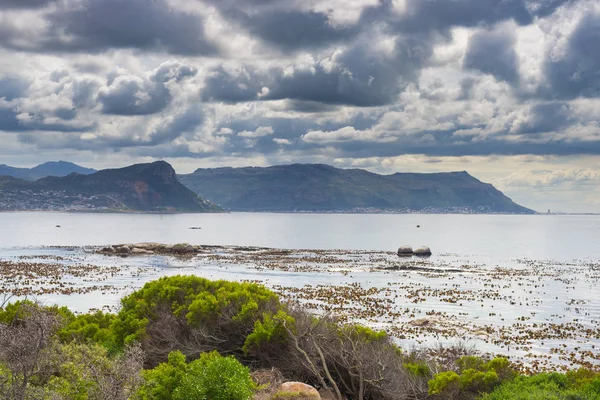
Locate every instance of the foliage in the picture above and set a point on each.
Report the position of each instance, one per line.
(419, 369)
(446, 382)
(91, 328)
(474, 376)
(269, 331)
(161, 381)
(199, 301)
(213, 376)
(50, 353)
(35, 364)
(578, 385)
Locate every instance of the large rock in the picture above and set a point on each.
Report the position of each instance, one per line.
(405, 251)
(182, 248)
(123, 250)
(422, 252)
(137, 250)
(152, 246)
(297, 391)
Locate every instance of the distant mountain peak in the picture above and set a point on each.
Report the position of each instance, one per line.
(151, 187)
(49, 168)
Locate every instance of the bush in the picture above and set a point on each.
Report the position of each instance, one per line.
(213, 376)
(91, 328)
(579, 385)
(193, 315)
(161, 381)
(475, 375)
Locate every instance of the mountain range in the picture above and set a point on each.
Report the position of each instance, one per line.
(323, 188)
(150, 187)
(155, 187)
(51, 168)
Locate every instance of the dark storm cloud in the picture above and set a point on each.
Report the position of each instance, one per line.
(362, 77)
(97, 25)
(181, 124)
(309, 106)
(133, 95)
(10, 122)
(576, 74)
(493, 52)
(292, 30)
(548, 117)
(23, 4)
(441, 15)
(130, 95)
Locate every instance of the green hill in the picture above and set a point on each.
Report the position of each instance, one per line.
(143, 187)
(317, 187)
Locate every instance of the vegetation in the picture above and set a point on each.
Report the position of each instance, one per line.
(185, 337)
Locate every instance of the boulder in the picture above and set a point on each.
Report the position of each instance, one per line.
(405, 251)
(148, 245)
(182, 248)
(123, 250)
(137, 250)
(422, 252)
(297, 391)
(108, 250)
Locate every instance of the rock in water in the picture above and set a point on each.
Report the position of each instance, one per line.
(183, 248)
(422, 252)
(123, 250)
(405, 251)
(297, 390)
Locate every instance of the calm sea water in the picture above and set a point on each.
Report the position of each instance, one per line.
(495, 237)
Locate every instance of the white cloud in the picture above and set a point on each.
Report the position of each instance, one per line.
(282, 141)
(258, 132)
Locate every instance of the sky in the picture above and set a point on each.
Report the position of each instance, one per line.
(508, 90)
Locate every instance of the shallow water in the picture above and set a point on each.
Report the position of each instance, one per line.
(527, 285)
(493, 237)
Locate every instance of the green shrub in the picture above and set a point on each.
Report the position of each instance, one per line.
(199, 301)
(549, 386)
(475, 376)
(212, 377)
(161, 381)
(93, 328)
(268, 331)
(419, 369)
(444, 383)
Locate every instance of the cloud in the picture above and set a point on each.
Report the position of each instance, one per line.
(12, 87)
(362, 75)
(493, 52)
(272, 81)
(345, 134)
(290, 30)
(545, 179)
(575, 73)
(547, 117)
(23, 4)
(282, 141)
(135, 95)
(258, 132)
(98, 25)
